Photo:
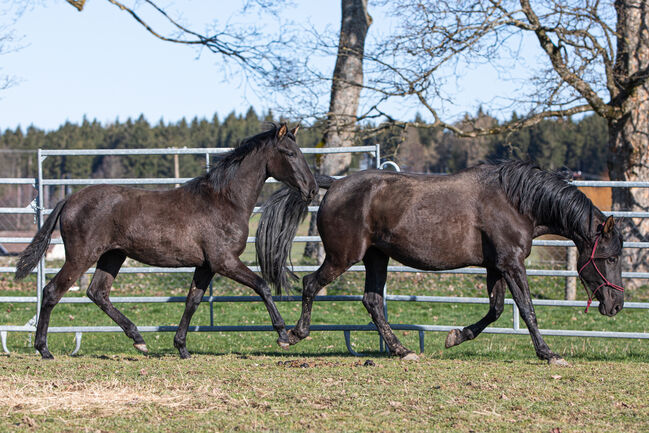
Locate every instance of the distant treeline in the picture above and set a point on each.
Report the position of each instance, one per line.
(574, 144)
(577, 145)
(16, 159)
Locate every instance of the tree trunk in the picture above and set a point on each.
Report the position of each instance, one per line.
(629, 135)
(346, 85)
(345, 93)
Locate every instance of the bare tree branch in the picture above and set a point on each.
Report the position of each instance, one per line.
(256, 52)
(78, 4)
(554, 52)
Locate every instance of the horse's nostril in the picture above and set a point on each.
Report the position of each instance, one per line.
(312, 193)
(617, 308)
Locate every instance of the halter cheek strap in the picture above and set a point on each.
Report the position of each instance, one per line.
(605, 283)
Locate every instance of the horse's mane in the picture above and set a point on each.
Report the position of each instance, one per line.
(227, 164)
(546, 196)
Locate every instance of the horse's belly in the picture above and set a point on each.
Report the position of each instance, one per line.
(166, 261)
(429, 252)
(155, 258)
(161, 249)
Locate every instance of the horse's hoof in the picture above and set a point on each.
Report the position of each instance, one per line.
(283, 344)
(453, 338)
(559, 362)
(141, 347)
(412, 356)
(47, 356)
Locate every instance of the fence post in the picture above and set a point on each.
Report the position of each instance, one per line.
(571, 282)
(40, 206)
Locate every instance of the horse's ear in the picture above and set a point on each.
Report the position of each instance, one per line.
(294, 130)
(281, 131)
(609, 224)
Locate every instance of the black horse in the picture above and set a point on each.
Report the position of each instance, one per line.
(203, 223)
(482, 216)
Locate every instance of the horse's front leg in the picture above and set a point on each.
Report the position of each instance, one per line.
(496, 286)
(312, 284)
(200, 282)
(233, 268)
(517, 281)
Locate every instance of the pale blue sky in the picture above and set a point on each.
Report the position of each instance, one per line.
(102, 64)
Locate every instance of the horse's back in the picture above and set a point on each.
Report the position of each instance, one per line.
(147, 225)
(385, 199)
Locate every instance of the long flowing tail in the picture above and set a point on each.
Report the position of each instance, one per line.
(281, 215)
(32, 254)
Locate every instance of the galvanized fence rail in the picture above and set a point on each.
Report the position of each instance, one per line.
(37, 208)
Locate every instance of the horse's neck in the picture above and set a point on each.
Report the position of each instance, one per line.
(246, 184)
(578, 238)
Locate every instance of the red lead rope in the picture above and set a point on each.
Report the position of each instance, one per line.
(605, 283)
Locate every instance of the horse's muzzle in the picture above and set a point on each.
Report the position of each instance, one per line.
(310, 195)
(609, 311)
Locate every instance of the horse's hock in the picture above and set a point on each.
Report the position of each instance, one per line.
(548, 258)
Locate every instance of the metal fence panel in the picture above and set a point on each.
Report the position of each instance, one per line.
(37, 209)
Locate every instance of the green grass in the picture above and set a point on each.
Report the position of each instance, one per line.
(505, 347)
(243, 381)
(252, 392)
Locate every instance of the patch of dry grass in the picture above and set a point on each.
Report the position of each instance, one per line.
(43, 396)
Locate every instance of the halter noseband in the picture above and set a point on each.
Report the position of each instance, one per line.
(605, 283)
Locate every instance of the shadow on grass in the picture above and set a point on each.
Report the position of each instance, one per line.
(272, 354)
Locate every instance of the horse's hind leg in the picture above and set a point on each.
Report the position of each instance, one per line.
(99, 290)
(376, 271)
(202, 278)
(312, 283)
(52, 294)
(496, 286)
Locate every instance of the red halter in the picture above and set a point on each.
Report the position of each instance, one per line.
(605, 283)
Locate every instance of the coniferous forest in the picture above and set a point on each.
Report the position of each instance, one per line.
(577, 145)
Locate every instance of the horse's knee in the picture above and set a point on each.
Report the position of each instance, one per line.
(310, 285)
(309, 280)
(498, 310)
(494, 313)
(91, 293)
(265, 292)
(371, 301)
(97, 294)
(51, 296)
(195, 297)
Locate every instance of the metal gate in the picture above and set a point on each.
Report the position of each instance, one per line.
(37, 209)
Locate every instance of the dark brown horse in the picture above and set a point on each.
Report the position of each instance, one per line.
(203, 223)
(483, 216)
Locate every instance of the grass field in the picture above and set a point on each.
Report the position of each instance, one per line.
(243, 381)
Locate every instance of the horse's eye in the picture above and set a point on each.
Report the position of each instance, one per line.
(612, 260)
(288, 153)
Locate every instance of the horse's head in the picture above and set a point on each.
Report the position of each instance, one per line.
(286, 163)
(600, 268)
